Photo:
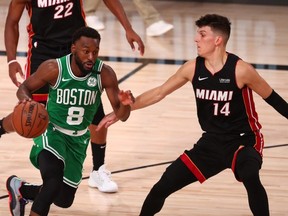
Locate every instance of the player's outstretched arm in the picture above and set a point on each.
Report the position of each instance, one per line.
(247, 75)
(154, 95)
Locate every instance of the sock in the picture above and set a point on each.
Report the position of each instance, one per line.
(2, 131)
(29, 191)
(98, 154)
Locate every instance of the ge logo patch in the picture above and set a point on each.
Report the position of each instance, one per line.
(92, 82)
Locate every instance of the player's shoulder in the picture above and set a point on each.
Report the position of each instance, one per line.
(50, 63)
(245, 73)
(189, 64)
(243, 66)
(107, 69)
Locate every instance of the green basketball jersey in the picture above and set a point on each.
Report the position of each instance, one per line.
(73, 101)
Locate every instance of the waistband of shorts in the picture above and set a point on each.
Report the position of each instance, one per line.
(70, 132)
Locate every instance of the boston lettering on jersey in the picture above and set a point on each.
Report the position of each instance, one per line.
(75, 96)
(215, 95)
(48, 3)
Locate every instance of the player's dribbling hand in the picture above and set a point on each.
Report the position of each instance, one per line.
(25, 100)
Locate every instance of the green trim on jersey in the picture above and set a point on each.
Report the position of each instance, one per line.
(73, 101)
(72, 104)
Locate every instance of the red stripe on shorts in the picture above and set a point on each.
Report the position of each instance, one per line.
(192, 167)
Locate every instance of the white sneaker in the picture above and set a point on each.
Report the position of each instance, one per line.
(101, 179)
(158, 28)
(94, 22)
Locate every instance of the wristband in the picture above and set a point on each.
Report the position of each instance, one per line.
(278, 103)
(12, 61)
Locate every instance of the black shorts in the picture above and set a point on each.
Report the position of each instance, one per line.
(214, 153)
(99, 115)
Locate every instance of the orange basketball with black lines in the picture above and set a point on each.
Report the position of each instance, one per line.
(30, 119)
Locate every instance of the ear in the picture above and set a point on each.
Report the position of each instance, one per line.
(73, 48)
(218, 40)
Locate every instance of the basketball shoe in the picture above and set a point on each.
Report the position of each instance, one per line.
(94, 22)
(101, 179)
(16, 201)
(158, 28)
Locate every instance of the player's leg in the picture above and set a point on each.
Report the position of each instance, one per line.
(90, 8)
(66, 197)
(20, 192)
(147, 11)
(176, 176)
(73, 169)
(198, 164)
(156, 26)
(52, 171)
(100, 177)
(98, 139)
(248, 165)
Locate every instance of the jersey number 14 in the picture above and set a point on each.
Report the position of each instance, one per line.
(224, 110)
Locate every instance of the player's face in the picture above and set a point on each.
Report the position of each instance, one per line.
(86, 52)
(206, 41)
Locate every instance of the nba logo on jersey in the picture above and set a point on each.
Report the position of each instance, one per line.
(92, 82)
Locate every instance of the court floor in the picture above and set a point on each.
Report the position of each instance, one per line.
(139, 150)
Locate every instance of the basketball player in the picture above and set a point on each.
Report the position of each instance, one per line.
(75, 82)
(50, 30)
(223, 85)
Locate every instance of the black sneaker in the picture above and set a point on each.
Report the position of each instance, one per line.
(16, 201)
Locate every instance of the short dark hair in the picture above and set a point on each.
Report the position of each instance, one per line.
(215, 22)
(86, 32)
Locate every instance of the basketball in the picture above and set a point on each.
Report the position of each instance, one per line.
(30, 119)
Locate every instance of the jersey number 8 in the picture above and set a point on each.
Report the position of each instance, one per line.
(75, 115)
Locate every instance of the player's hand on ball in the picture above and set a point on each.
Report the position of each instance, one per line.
(30, 118)
(24, 101)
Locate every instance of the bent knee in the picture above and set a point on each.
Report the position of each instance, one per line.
(64, 203)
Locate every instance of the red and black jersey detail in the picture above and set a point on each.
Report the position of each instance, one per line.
(55, 21)
(221, 106)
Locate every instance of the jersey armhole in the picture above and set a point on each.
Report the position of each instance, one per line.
(59, 74)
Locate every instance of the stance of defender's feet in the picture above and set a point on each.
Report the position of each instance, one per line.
(101, 179)
(16, 201)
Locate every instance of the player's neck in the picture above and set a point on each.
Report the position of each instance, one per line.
(215, 62)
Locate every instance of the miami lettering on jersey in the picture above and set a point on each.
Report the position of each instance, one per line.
(78, 97)
(214, 95)
(48, 3)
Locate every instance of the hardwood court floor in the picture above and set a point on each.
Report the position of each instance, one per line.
(140, 149)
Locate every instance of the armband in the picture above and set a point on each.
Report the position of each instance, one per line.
(278, 103)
